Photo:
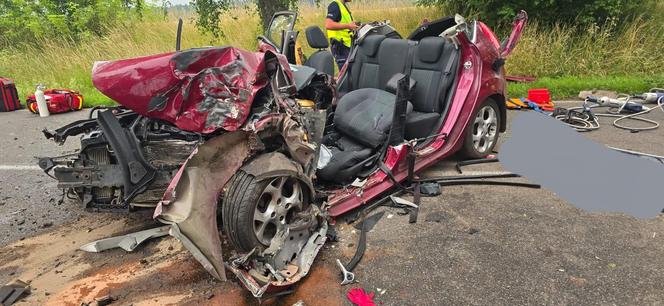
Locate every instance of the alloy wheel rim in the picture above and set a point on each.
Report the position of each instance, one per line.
(485, 128)
(277, 205)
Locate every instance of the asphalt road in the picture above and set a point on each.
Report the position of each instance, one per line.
(29, 200)
(474, 245)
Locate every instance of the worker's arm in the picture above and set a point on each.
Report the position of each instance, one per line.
(333, 25)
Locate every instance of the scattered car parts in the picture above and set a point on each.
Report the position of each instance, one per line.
(220, 126)
(347, 277)
(127, 242)
(283, 263)
(13, 291)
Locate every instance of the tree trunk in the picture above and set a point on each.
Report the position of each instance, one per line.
(267, 8)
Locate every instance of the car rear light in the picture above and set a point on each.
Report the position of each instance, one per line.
(490, 35)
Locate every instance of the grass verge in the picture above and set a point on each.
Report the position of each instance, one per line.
(569, 87)
(620, 56)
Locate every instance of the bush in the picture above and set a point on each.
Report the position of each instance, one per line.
(549, 12)
(24, 21)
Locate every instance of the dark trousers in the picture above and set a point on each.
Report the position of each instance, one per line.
(340, 52)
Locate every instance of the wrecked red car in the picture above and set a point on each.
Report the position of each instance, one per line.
(274, 150)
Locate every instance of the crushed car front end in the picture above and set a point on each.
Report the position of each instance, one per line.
(191, 123)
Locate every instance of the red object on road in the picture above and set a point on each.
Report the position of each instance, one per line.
(58, 100)
(8, 96)
(360, 298)
(539, 96)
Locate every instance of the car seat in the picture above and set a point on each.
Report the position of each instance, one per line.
(322, 60)
(364, 115)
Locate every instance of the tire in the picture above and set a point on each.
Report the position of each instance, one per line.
(248, 199)
(482, 132)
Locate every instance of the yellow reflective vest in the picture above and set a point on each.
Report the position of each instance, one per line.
(344, 35)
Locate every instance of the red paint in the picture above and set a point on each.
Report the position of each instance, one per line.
(517, 29)
(228, 77)
(134, 82)
(475, 84)
(489, 34)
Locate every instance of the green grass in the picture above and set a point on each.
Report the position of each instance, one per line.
(620, 56)
(570, 86)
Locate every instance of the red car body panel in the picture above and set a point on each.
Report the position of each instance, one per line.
(477, 81)
(211, 89)
(204, 90)
(198, 90)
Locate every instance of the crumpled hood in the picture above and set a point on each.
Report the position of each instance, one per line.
(198, 90)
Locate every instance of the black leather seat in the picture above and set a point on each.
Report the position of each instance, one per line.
(348, 159)
(322, 60)
(435, 63)
(362, 123)
(363, 118)
(366, 116)
(376, 61)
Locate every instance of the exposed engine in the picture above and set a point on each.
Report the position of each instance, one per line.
(152, 154)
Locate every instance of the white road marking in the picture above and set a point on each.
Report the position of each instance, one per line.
(19, 167)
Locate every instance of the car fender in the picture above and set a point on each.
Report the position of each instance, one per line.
(190, 202)
(495, 90)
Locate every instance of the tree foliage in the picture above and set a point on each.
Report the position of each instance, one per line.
(209, 12)
(23, 21)
(545, 11)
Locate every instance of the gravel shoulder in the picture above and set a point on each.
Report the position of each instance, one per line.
(473, 245)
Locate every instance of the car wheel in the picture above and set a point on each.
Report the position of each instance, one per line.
(483, 131)
(253, 211)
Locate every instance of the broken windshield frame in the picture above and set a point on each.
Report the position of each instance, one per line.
(281, 23)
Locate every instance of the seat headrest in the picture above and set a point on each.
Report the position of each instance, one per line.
(371, 43)
(430, 49)
(316, 38)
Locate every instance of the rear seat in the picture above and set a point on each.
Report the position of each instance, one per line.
(364, 72)
(364, 115)
(435, 62)
(377, 60)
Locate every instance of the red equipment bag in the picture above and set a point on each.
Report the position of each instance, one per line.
(59, 100)
(8, 96)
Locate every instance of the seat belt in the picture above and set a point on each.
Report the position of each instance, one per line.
(349, 69)
(409, 59)
(447, 73)
(448, 67)
(450, 62)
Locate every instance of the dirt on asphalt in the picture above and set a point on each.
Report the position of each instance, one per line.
(473, 245)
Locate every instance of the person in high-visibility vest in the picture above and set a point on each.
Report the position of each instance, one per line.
(340, 26)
